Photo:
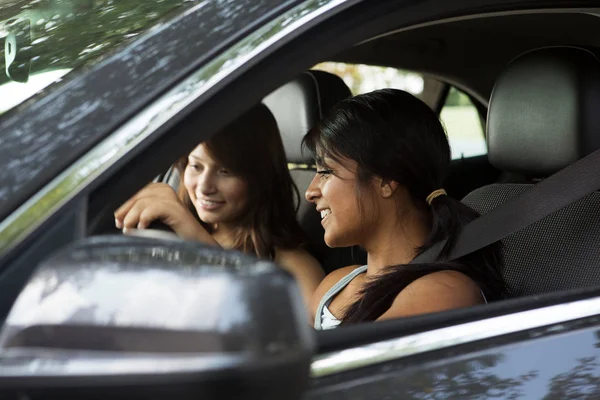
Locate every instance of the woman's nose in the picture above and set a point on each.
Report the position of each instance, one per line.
(206, 184)
(313, 192)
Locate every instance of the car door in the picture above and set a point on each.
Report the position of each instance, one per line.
(514, 356)
(143, 130)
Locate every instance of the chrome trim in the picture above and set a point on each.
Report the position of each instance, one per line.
(29, 216)
(54, 364)
(393, 349)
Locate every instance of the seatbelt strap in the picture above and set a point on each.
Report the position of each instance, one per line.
(544, 198)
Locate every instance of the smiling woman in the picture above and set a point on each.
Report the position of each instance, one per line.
(381, 158)
(235, 192)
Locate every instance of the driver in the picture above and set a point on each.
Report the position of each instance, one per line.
(235, 192)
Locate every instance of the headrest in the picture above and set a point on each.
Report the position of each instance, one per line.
(300, 104)
(544, 111)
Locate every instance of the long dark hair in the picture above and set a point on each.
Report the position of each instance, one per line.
(393, 135)
(251, 147)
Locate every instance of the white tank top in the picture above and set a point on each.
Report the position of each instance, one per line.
(324, 319)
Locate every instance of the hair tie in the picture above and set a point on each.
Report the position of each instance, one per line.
(434, 194)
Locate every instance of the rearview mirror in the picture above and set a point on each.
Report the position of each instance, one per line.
(126, 317)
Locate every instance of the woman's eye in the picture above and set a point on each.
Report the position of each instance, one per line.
(223, 171)
(195, 167)
(324, 172)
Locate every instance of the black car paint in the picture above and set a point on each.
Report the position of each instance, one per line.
(555, 362)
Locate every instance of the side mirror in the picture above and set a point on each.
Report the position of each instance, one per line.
(126, 317)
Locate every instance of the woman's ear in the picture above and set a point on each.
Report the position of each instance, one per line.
(388, 188)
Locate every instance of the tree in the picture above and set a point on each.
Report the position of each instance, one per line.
(580, 383)
(472, 379)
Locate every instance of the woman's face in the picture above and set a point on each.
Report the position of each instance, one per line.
(333, 190)
(218, 195)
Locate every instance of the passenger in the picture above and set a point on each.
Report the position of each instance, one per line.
(235, 192)
(381, 159)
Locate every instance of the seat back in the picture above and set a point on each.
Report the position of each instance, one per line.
(542, 117)
(297, 107)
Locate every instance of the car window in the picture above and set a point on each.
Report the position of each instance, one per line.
(463, 125)
(362, 78)
(43, 42)
(459, 115)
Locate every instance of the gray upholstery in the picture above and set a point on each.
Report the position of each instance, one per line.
(543, 113)
(562, 251)
(297, 106)
(540, 120)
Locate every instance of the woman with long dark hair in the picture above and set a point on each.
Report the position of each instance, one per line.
(381, 160)
(235, 192)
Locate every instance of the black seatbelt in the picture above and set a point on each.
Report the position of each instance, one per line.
(544, 198)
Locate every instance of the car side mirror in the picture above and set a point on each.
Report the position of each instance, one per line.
(126, 317)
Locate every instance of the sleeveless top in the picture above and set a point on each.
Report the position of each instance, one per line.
(324, 319)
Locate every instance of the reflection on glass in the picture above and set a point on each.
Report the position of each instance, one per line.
(14, 93)
(42, 40)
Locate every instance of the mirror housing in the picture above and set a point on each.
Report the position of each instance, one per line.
(125, 317)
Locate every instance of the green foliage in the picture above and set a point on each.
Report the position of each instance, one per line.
(457, 98)
(362, 78)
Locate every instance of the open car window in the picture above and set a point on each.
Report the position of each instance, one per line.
(459, 114)
(45, 42)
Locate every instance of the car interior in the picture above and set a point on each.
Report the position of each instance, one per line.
(512, 74)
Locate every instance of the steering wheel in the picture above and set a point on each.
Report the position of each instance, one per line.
(156, 230)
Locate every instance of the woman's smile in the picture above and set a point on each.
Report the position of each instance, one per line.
(210, 205)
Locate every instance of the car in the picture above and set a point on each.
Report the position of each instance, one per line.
(100, 97)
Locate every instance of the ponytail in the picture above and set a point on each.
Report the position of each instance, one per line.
(448, 218)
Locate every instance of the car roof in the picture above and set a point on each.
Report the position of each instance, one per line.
(471, 52)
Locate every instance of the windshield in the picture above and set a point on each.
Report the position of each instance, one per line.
(44, 41)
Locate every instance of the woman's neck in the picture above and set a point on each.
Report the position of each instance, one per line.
(223, 234)
(396, 241)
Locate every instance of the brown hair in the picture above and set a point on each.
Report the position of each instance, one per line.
(251, 147)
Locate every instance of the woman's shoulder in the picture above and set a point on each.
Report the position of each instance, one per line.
(333, 277)
(297, 258)
(327, 283)
(438, 291)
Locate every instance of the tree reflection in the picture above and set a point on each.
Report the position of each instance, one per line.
(473, 379)
(470, 379)
(582, 382)
(68, 34)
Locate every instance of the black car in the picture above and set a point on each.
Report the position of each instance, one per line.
(100, 97)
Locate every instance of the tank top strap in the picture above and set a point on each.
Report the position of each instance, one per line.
(335, 289)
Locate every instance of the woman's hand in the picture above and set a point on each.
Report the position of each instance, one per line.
(158, 201)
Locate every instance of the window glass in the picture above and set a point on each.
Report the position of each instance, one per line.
(42, 41)
(463, 125)
(366, 78)
(459, 115)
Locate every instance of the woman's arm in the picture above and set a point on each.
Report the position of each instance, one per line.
(305, 268)
(435, 292)
(158, 201)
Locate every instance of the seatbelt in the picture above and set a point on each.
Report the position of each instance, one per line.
(559, 190)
